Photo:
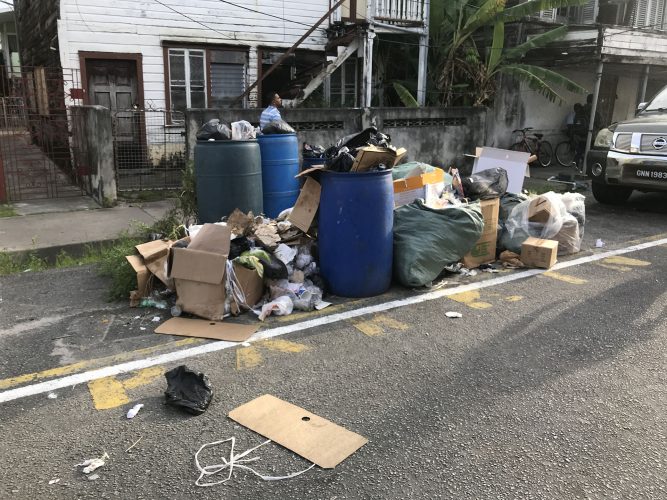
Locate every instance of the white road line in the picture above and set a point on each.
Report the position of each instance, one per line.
(81, 378)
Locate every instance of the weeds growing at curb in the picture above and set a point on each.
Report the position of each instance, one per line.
(7, 211)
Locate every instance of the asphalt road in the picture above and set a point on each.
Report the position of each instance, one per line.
(552, 386)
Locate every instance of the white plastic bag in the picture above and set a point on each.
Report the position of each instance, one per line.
(242, 131)
(282, 306)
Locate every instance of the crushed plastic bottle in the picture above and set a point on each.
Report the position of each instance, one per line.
(150, 302)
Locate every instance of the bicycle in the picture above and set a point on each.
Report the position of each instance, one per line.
(534, 145)
(569, 153)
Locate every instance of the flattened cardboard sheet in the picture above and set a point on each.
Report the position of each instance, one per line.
(143, 275)
(185, 327)
(306, 205)
(314, 438)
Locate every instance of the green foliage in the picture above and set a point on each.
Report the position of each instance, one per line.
(7, 211)
(187, 199)
(462, 74)
(11, 263)
(406, 97)
(114, 265)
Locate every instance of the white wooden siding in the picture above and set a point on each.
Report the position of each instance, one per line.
(644, 47)
(131, 26)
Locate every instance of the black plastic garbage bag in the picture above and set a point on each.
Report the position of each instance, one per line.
(370, 136)
(342, 162)
(214, 129)
(278, 127)
(486, 185)
(237, 246)
(276, 269)
(426, 240)
(188, 390)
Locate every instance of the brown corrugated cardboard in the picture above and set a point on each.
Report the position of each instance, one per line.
(484, 250)
(427, 186)
(306, 434)
(199, 272)
(202, 328)
(371, 156)
(539, 253)
(304, 210)
(143, 274)
(568, 237)
(540, 210)
(155, 255)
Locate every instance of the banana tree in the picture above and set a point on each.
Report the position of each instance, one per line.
(454, 24)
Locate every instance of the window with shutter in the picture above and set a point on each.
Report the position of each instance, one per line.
(589, 12)
(204, 77)
(227, 83)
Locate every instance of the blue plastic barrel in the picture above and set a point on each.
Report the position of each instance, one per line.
(228, 175)
(280, 165)
(356, 232)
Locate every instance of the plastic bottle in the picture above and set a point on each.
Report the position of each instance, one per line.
(176, 311)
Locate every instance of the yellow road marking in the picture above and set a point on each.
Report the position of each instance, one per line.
(250, 357)
(564, 277)
(625, 261)
(84, 365)
(375, 327)
(313, 314)
(514, 298)
(282, 345)
(471, 299)
(623, 269)
(109, 392)
(369, 328)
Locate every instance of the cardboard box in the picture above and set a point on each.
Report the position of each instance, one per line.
(371, 156)
(484, 250)
(539, 253)
(428, 186)
(200, 274)
(306, 206)
(540, 210)
(568, 237)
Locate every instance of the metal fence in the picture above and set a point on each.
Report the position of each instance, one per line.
(35, 150)
(149, 149)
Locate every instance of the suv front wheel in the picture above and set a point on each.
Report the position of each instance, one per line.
(610, 195)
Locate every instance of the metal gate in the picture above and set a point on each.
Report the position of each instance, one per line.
(35, 150)
(149, 149)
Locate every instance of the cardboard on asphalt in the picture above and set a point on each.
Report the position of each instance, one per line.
(314, 438)
(201, 328)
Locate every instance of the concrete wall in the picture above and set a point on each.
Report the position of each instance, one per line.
(437, 136)
(92, 151)
(517, 106)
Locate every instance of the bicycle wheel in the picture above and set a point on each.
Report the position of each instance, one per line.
(520, 146)
(545, 153)
(565, 153)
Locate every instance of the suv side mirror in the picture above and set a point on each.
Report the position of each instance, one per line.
(641, 106)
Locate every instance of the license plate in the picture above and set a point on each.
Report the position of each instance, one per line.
(651, 174)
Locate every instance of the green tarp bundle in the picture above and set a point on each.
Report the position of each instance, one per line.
(426, 240)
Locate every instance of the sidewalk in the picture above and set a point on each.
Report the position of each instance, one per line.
(47, 226)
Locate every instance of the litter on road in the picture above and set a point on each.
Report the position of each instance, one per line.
(189, 390)
(452, 314)
(132, 412)
(93, 464)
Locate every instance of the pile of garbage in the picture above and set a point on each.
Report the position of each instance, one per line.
(245, 262)
(216, 130)
(442, 222)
